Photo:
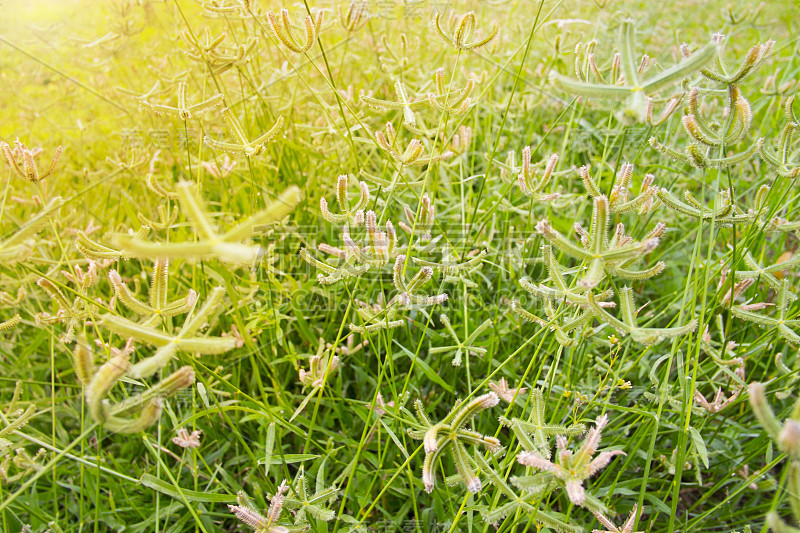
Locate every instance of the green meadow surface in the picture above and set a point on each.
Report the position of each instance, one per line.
(412, 265)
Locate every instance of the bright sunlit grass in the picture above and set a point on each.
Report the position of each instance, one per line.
(399, 266)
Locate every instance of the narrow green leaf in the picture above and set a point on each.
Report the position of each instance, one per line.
(163, 487)
(269, 445)
(425, 368)
(290, 458)
(699, 445)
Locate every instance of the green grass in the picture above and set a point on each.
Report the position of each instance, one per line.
(70, 78)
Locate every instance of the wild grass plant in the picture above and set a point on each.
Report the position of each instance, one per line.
(513, 265)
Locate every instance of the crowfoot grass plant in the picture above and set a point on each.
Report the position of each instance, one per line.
(451, 435)
(605, 253)
(626, 527)
(778, 157)
(572, 469)
(239, 235)
(181, 110)
(624, 81)
(23, 160)
(226, 246)
(184, 340)
(157, 307)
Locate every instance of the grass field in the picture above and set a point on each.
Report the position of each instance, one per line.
(412, 265)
